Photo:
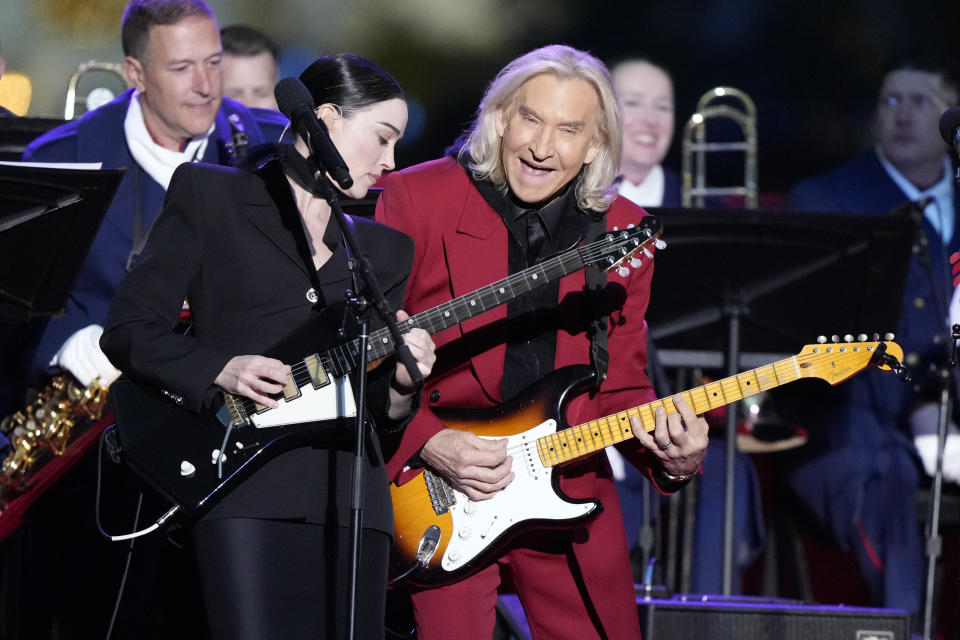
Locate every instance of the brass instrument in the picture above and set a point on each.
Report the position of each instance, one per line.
(695, 147)
(98, 95)
(46, 426)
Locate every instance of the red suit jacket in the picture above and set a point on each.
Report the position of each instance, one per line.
(461, 245)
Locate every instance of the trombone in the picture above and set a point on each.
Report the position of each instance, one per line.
(98, 95)
(695, 147)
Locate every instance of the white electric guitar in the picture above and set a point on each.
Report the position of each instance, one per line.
(441, 536)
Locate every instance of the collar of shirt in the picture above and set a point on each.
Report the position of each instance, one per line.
(551, 215)
(940, 212)
(648, 193)
(158, 161)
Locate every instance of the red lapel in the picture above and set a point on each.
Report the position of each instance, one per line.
(476, 255)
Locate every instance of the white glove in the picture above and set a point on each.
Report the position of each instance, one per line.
(81, 356)
(927, 447)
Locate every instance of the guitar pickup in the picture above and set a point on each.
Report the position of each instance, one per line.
(309, 371)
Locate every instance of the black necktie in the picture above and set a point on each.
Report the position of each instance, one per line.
(536, 234)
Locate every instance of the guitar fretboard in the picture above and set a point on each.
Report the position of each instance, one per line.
(344, 358)
(380, 343)
(584, 439)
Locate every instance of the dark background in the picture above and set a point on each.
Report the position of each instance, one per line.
(812, 68)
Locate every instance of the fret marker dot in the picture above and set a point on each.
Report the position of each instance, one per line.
(447, 314)
(534, 276)
(473, 303)
(384, 341)
(502, 290)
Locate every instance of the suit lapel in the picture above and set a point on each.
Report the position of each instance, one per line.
(476, 255)
(270, 207)
(101, 138)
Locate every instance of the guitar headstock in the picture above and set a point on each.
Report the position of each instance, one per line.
(619, 246)
(837, 360)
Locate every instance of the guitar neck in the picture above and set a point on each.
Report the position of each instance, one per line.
(380, 343)
(589, 437)
(342, 359)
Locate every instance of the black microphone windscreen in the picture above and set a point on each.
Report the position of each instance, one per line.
(291, 94)
(949, 122)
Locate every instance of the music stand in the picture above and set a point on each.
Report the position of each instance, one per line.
(48, 219)
(17, 133)
(755, 285)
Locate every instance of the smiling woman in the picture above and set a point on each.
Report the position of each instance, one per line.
(645, 93)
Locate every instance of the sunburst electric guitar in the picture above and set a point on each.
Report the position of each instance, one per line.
(442, 536)
(194, 459)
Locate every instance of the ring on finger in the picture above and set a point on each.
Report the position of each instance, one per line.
(664, 447)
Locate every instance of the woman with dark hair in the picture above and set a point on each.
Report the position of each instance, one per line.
(257, 253)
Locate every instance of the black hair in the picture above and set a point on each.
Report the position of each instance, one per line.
(141, 15)
(349, 81)
(244, 41)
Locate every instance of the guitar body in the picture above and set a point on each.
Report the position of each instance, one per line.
(472, 534)
(178, 451)
(468, 535)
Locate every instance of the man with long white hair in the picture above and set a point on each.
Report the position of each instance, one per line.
(532, 177)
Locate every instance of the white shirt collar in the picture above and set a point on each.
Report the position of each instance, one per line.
(158, 161)
(648, 193)
(940, 212)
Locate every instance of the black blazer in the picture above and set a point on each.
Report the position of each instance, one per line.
(227, 241)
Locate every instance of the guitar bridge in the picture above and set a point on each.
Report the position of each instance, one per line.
(441, 493)
(238, 415)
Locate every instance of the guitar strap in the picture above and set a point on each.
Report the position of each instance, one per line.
(596, 292)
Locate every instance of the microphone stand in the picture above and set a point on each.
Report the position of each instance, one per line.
(947, 380)
(934, 541)
(357, 263)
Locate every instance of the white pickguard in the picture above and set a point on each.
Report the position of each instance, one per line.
(334, 400)
(529, 497)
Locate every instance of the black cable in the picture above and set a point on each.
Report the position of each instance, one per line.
(126, 567)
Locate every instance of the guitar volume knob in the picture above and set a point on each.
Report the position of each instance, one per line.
(464, 533)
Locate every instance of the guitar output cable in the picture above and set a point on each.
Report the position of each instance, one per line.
(425, 550)
(127, 536)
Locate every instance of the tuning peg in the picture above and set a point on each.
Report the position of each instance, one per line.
(616, 228)
(635, 263)
(888, 336)
(848, 338)
(821, 339)
(834, 338)
(660, 244)
(876, 337)
(623, 272)
(647, 253)
(862, 337)
(631, 226)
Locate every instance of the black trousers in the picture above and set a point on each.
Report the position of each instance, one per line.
(281, 579)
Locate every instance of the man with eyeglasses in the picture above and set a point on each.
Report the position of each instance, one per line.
(859, 472)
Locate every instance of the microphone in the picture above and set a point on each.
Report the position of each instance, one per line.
(950, 128)
(295, 102)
